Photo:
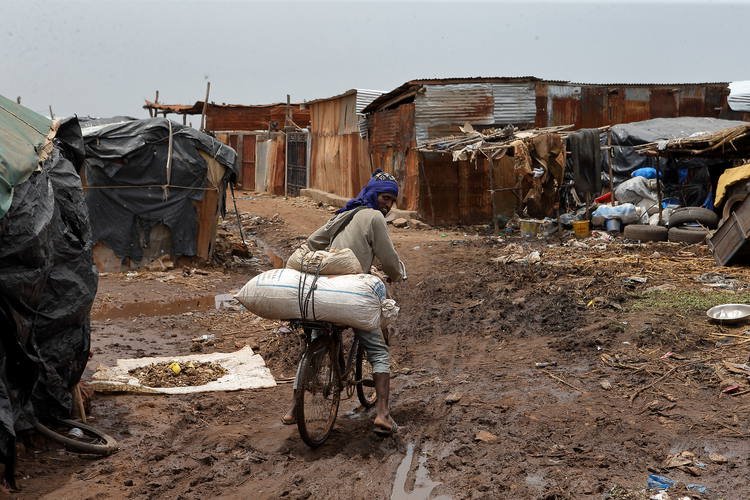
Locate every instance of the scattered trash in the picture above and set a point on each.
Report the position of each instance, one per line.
(545, 364)
(717, 458)
(679, 460)
(453, 398)
(485, 437)
(631, 280)
(204, 338)
(657, 482)
(175, 367)
(605, 384)
(699, 488)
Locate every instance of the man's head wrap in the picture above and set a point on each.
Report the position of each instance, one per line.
(380, 182)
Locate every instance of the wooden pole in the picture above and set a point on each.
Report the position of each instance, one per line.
(205, 107)
(18, 100)
(288, 110)
(492, 194)
(51, 114)
(152, 112)
(609, 162)
(658, 185)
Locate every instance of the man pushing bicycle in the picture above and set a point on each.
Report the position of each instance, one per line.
(360, 226)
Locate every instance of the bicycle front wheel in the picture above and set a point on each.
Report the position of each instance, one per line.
(318, 393)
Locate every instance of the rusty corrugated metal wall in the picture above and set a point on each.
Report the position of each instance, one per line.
(441, 109)
(393, 148)
(587, 106)
(339, 159)
(248, 118)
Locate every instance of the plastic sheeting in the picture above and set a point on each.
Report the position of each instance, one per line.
(739, 96)
(627, 135)
(23, 135)
(143, 173)
(47, 286)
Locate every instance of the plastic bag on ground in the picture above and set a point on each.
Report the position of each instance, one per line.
(626, 212)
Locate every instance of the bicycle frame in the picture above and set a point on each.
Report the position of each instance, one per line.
(314, 329)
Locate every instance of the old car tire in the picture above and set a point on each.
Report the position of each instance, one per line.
(685, 235)
(645, 232)
(686, 215)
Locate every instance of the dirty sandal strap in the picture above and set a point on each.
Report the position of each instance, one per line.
(382, 431)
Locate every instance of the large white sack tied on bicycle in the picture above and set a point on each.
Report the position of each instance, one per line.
(333, 262)
(353, 300)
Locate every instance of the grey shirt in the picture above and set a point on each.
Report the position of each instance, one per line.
(366, 234)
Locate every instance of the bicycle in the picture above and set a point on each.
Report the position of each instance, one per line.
(325, 371)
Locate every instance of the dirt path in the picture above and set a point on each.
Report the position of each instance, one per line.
(478, 313)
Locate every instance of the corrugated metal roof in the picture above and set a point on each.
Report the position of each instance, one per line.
(514, 102)
(365, 97)
(197, 108)
(440, 105)
(739, 96)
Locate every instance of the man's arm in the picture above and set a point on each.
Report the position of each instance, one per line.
(382, 247)
(319, 240)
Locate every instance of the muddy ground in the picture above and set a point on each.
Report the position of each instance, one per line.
(636, 374)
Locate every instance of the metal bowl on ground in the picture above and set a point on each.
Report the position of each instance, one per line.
(729, 313)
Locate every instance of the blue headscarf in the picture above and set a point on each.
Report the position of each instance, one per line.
(380, 182)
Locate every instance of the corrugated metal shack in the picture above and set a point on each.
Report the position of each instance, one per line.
(340, 159)
(256, 132)
(444, 192)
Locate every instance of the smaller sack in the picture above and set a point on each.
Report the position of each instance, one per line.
(326, 263)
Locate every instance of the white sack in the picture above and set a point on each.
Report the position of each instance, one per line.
(334, 262)
(352, 300)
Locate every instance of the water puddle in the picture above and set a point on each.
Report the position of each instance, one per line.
(157, 308)
(423, 485)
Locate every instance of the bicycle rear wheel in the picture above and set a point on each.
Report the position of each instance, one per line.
(365, 383)
(318, 393)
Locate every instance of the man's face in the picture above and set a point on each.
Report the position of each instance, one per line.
(385, 202)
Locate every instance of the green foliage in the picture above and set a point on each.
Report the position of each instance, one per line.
(684, 300)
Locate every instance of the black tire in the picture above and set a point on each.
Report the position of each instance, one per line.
(318, 393)
(645, 232)
(93, 440)
(365, 385)
(685, 215)
(685, 235)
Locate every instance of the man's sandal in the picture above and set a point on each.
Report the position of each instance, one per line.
(383, 431)
(286, 420)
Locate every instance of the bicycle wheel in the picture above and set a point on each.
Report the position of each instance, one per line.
(318, 393)
(86, 439)
(365, 383)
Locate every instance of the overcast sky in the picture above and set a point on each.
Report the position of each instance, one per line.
(104, 57)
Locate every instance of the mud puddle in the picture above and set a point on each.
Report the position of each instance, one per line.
(423, 485)
(160, 308)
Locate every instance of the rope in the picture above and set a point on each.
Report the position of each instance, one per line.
(305, 299)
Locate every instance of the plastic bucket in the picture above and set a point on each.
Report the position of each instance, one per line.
(581, 228)
(529, 227)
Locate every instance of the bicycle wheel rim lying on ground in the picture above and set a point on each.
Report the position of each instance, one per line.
(318, 393)
(363, 374)
(90, 440)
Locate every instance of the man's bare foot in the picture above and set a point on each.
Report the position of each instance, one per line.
(384, 425)
(288, 418)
